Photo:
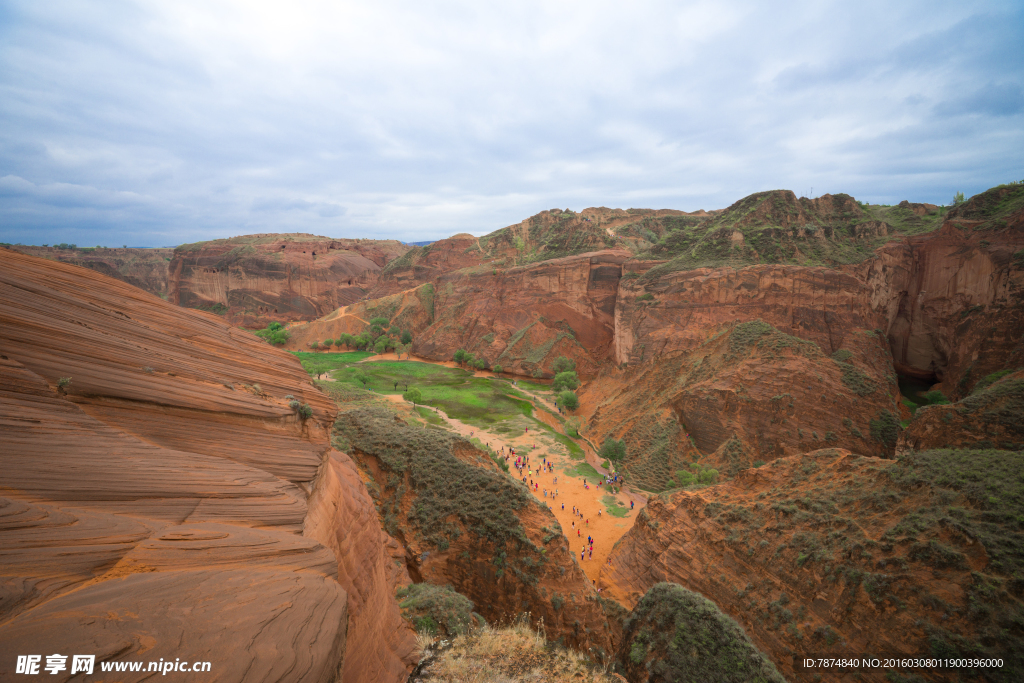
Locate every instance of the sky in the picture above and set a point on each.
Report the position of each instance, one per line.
(161, 123)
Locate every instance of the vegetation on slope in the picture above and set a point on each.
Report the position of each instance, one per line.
(674, 634)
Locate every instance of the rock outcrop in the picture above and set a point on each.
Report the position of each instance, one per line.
(830, 552)
(953, 299)
(257, 279)
(162, 500)
(991, 417)
(144, 268)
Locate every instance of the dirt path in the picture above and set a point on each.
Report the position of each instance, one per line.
(575, 492)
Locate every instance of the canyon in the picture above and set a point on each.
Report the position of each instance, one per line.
(155, 447)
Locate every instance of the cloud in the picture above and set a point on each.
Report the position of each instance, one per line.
(175, 122)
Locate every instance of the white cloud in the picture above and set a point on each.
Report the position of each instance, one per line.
(191, 120)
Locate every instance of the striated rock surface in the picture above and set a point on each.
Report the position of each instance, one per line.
(830, 552)
(954, 299)
(154, 504)
(747, 393)
(257, 279)
(146, 269)
(991, 417)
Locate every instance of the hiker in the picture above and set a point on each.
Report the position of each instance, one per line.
(630, 505)
(563, 507)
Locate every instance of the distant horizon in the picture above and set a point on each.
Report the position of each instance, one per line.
(162, 123)
(484, 232)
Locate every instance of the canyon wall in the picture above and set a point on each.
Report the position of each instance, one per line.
(257, 279)
(157, 488)
(835, 554)
(146, 269)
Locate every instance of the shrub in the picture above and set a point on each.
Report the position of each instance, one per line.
(438, 608)
(274, 333)
(885, 428)
(460, 356)
(565, 380)
(569, 400)
(675, 634)
(305, 411)
(936, 397)
(64, 382)
(614, 450)
(646, 296)
(406, 337)
(497, 368)
(413, 396)
(563, 364)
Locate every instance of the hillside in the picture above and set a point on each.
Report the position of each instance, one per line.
(256, 279)
(147, 269)
(157, 485)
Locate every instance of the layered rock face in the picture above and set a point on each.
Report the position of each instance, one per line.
(425, 264)
(522, 318)
(146, 269)
(261, 278)
(748, 393)
(954, 299)
(830, 552)
(989, 418)
(155, 499)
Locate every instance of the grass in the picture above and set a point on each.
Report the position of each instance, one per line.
(516, 653)
(332, 360)
(614, 508)
(584, 470)
(478, 401)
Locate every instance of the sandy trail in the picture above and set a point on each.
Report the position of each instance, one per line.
(572, 491)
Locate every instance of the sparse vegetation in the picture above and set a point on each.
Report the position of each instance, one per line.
(675, 634)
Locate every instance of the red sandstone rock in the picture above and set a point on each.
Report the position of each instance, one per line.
(155, 506)
(257, 279)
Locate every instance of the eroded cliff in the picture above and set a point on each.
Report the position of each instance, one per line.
(158, 488)
(256, 279)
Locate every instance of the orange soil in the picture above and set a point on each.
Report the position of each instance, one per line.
(604, 528)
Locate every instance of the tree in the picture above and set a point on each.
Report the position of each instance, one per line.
(613, 450)
(406, 337)
(565, 380)
(314, 345)
(460, 356)
(497, 368)
(569, 400)
(328, 343)
(381, 345)
(396, 384)
(958, 199)
(275, 333)
(361, 377)
(574, 423)
(480, 364)
(380, 322)
(563, 364)
(413, 396)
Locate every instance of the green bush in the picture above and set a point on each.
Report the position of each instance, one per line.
(497, 368)
(936, 397)
(274, 333)
(563, 364)
(459, 356)
(406, 337)
(674, 634)
(413, 396)
(614, 450)
(885, 428)
(565, 380)
(569, 400)
(438, 610)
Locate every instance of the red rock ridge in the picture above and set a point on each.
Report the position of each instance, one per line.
(261, 278)
(152, 505)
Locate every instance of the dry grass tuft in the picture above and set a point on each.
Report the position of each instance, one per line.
(506, 654)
